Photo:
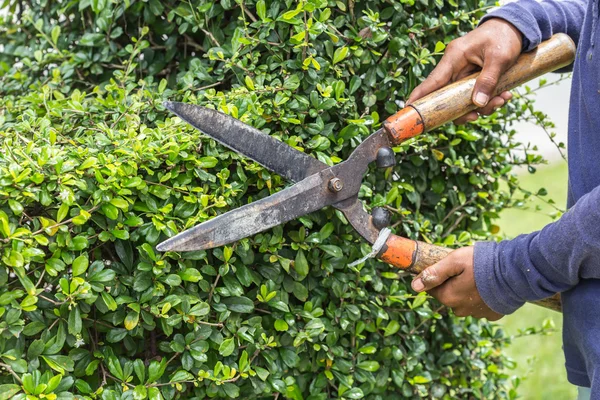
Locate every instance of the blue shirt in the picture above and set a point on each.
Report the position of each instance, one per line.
(565, 255)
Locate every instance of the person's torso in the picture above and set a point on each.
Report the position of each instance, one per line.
(581, 305)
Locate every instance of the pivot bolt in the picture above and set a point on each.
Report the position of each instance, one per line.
(336, 185)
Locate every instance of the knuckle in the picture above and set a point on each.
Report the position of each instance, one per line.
(455, 46)
(502, 55)
(488, 80)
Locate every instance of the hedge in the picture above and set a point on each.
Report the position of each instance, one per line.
(94, 173)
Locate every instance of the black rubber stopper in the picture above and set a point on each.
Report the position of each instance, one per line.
(385, 158)
(381, 217)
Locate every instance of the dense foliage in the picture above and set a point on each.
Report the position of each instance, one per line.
(94, 173)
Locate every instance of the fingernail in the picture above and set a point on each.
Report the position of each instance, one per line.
(417, 285)
(481, 99)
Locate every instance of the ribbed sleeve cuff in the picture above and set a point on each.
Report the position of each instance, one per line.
(522, 19)
(488, 279)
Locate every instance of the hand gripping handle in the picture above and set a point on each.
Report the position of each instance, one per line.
(454, 100)
(414, 256)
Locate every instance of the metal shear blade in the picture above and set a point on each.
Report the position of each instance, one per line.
(318, 185)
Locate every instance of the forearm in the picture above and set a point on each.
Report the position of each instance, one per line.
(537, 21)
(540, 264)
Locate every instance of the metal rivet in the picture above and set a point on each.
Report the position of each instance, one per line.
(336, 185)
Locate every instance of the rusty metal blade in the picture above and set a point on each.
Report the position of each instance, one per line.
(306, 196)
(269, 152)
(359, 218)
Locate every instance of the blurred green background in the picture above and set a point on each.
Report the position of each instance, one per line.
(540, 358)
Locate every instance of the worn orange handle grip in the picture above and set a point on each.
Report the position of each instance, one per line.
(414, 256)
(454, 100)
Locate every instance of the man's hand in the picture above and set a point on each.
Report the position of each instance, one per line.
(493, 47)
(452, 282)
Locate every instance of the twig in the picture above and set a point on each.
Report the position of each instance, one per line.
(416, 328)
(13, 373)
(212, 289)
(212, 38)
(62, 223)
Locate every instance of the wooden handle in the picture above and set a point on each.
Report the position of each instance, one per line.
(454, 100)
(414, 256)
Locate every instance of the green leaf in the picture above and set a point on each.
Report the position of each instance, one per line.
(131, 320)
(249, 82)
(154, 394)
(116, 335)
(4, 228)
(140, 392)
(173, 280)
(190, 275)
(110, 211)
(80, 265)
(281, 325)
(120, 203)
(392, 328)
(340, 54)
(261, 9)
(227, 347)
(33, 328)
(333, 251)
(63, 211)
(243, 362)
(289, 356)
(75, 323)
(239, 304)
(419, 300)
(354, 393)
(301, 265)
(8, 390)
(53, 383)
(439, 47)
(156, 370)
(59, 363)
(181, 376)
(114, 366)
(370, 366)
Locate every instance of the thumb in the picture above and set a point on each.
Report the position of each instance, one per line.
(436, 274)
(485, 85)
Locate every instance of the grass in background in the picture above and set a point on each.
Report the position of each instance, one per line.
(540, 358)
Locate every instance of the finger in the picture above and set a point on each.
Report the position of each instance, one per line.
(451, 63)
(485, 85)
(437, 79)
(492, 106)
(466, 72)
(507, 96)
(469, 117)
(437, 274)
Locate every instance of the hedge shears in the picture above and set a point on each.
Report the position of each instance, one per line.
(317, 185)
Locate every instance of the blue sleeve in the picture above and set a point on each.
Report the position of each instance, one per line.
(537, 20)
(538, 265)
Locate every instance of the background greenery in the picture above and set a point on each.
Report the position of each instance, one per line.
(94, 173)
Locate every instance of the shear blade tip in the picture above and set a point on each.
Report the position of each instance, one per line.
(168, 105)
(162, 247)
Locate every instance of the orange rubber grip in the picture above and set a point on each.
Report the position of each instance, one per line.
(411, 255)
(403, 125)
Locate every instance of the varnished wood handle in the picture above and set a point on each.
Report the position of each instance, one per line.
(454, 100)
(414, 256)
